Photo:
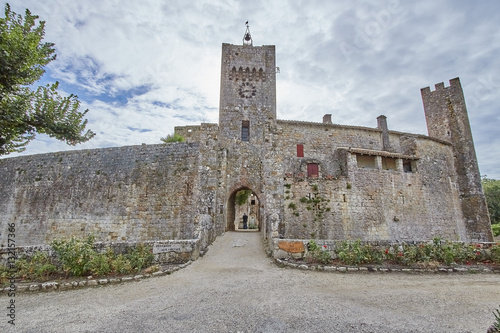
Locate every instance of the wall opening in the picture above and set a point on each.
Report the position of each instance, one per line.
(407, 166)
(245, 130)
(388, 163)
(243, 202)
(366, 161)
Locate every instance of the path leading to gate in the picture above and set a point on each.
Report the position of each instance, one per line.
(236, 288)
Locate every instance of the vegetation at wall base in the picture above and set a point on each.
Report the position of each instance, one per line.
(77, 257)
(436, 253)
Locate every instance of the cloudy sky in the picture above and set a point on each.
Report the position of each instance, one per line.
(143, 67)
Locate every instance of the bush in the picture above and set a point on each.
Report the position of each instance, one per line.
(496, 229)
(39, 266)
(75, 254)
(354, 253)
(140, 257)
(100, 263)
(318, 253)
(121, 265)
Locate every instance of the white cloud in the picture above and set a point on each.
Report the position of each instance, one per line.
(144, 67)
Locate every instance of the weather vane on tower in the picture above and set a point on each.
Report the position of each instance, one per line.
(247, 38)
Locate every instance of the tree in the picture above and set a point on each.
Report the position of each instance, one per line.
(23, 111)
(172, 138)
(491, 189)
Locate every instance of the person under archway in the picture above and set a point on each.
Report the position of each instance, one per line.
(245, 221)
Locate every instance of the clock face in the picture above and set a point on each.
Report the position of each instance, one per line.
(247, 90)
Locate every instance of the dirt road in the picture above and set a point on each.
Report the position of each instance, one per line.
(236, 288)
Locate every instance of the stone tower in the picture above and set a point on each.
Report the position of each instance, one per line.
(447, 119)
(248, 92)
(247, 125)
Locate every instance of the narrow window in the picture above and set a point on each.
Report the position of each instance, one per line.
(245, 130)
(300, 150)
(312, 170)
(407, 166)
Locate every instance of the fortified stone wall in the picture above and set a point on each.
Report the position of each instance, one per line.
(133, 193)
(399, 195)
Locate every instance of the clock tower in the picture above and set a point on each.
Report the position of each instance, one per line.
(248, 91)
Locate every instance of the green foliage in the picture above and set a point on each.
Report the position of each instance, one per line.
(4, 274)
(39, 266)
(437, 251)
(77, 257)
(23, 111)
(355, 253)
(496, 325)
(316, 203)
(140, 257)
(318, 253)
(100, 263)
(75, 254)
(491, 189)
(242, 197)
(172, 138)
(496, 229)
(121, 265)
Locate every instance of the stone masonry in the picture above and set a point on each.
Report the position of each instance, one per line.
(310, 180)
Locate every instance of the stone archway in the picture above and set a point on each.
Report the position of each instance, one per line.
(243, 201)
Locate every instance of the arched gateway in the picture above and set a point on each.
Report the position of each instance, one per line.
(243, 202)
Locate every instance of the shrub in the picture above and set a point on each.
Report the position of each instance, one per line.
(318, 253)
(496, 229)
(75, 254)
(355, 253)
(39, 266)
(140, 257)
(100, 263)
(121, 265)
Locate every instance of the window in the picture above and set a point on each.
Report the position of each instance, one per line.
(245, 130)
(366, 161)
(388, 163)
(300, 150)
(407, 166)
(312, 170)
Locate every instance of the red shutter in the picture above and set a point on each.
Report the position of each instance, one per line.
(312, 170)
(300, 150)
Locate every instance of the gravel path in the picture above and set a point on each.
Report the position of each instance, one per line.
(236, 288)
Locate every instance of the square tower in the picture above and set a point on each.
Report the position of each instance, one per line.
(448, 120)
(247, 92)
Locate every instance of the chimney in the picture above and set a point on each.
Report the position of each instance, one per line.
(327, 119)
(382, 125)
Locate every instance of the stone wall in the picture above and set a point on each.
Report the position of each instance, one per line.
(400, 196)
(133, 193)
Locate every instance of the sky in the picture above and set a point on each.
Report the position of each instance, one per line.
(144, 67)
